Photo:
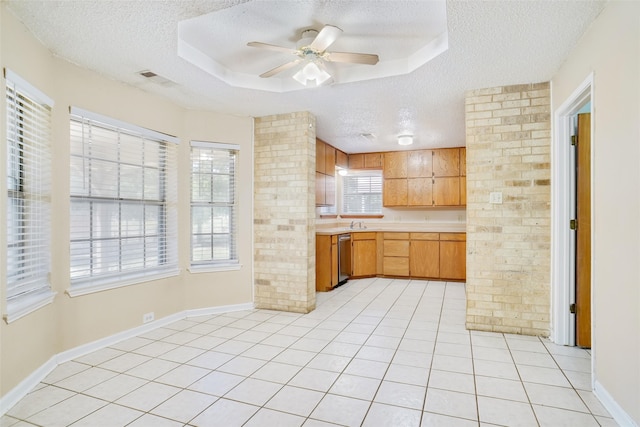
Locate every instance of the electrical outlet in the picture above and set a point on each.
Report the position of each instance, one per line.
(148, 317)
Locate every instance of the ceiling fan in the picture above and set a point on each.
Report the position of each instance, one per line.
(312, 50)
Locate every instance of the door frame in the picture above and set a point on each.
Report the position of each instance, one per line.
(562, 209)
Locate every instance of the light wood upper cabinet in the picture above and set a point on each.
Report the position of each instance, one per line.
(395, 192)
(463, 190)
(342, 159)
(446, 162)
(395, 164)
(446, 191)
(365, 161)
(463, 161)
(420, 164)
(420, 191)
(329, 160)
(320, 156)
(373, 160)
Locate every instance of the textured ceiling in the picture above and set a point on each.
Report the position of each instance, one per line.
(490, 43)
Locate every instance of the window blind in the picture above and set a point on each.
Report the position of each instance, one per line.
(214, 203)
(28, 192)
(362, 194)
(123, 203)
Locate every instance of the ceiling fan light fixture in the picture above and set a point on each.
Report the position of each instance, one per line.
(405, 139)
(311, 72)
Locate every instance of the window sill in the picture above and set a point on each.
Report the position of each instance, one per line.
(98, 285)
(362, 216)
(18, 309)
(211, 268)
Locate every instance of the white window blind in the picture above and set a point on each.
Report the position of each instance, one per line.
(28, 195)
(123, 204)
(214, 203)
(362, 194)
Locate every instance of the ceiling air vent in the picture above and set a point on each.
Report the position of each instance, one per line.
(155, 78)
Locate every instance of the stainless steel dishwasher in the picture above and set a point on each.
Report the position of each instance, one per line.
(344, 258)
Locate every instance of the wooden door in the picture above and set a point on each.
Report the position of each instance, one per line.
(394, 192)
(395, 164)
(446, 162)
(334, 261)
(320, 156)
(583, 232)
(419, 164)
(453, 260)
(419, 192)
(446, 191)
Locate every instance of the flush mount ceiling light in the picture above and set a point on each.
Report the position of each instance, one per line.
(311, 72)
(405, 139)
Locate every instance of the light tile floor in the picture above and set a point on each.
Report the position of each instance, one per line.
(375, 352)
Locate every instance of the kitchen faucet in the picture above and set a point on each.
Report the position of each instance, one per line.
(360, 225)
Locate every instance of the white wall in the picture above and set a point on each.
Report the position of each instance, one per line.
(29, 342)
(611, 50)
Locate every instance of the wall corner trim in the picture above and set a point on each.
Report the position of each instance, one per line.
(616, 411)
(21, 390)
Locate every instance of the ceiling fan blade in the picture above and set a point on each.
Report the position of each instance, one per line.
(325, 38)
(280, 68)
(272, 47)
(355, 58)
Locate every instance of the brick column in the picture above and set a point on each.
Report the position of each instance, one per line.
(284, 212)
(508, 245)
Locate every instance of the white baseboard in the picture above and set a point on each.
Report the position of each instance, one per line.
(21, 390)
(618, 414)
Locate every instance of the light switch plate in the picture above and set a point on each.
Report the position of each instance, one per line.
(495, 197)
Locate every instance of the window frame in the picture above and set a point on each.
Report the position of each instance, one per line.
(368, 214)
(165, 263)
(233, 262)
(27, 289)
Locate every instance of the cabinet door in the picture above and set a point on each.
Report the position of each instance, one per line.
(342, 159)
(394, 192)
(420, 191)
(329, 190)
(419, 164)
(329, 160)
(446, 162)
(424, 258)
(463, 190)
(373, 160)
(453, 260)
(320, 191)
(446, 191)
(395, 164)
(320, 156)
(356, 161)
(334, 261)
(463, 161)
(323, 263)
(395, 266)
(364, 258)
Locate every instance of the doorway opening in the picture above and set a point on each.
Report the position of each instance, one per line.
(571, 252)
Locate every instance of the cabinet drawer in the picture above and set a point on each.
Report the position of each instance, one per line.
(395, 236)
(395, 266)
(363, 236)
(425, 236)
(398, 248)
(453, 237)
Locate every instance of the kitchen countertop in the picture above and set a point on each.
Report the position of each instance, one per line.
(453, 227)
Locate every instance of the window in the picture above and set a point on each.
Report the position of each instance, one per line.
(214, 204)
(28, 198)
(362, 194)
(123, 194)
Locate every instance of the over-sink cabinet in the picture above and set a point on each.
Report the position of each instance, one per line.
(424, 178)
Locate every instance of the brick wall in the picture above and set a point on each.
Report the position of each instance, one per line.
(284, 212)
(508, 245)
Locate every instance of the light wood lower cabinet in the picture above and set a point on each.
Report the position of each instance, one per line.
(453, 256)
(424, 255)
(326, 262)
(363, 254)
(396, 254)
